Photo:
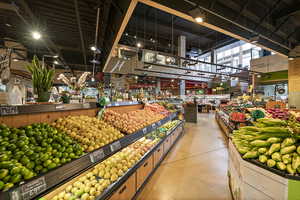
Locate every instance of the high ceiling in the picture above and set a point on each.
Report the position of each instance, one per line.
(159, 30)
(70, 33)
(276, 22)
(62, 27)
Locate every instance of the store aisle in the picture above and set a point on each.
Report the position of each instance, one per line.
(195, 169)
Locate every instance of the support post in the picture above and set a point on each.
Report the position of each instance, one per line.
(181, 53)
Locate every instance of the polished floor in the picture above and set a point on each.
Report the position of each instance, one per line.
(195, 169)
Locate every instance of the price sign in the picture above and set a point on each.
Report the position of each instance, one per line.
(9, 110)
(144, 130)
(60, 107)
(33, 188)
(115, 146)
(97, 155)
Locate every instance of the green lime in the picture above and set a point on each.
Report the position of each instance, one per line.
(15, 178)
(51, 165)
(7, 186)
(30, 165)
(44, 170)
(72, 155)
(6, 165)
(65, 155)
(25, 160)
(3, 173)
(6, 179)
(38, 168)
(29, 175)
(4, 157)
(1, 185)
(15, 170)
(11, 147)
(58, 154)
(56, 160)
(47, 163)
(63, 160)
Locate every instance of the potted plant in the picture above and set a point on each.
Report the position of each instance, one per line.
(42, 79)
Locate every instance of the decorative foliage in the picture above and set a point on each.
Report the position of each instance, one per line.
(42, 78)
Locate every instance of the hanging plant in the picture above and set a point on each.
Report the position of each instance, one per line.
(42, 79)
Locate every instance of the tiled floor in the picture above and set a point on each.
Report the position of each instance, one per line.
(195, 169)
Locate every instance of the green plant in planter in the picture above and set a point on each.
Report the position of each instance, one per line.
(42, 79)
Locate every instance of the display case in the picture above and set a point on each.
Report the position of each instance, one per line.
(46, 185)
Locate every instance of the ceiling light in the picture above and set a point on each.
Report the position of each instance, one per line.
(168, 60)
(55, 62)
(55, 56)
(172, 80)
(199, 19)
(93, 48)
(291, 58)
(136, 77)
(134, 36)
(15, 59)
(93, 79)
(126, 34)
(139, 45)
(7, 24)
(254, 39)
(258, 75)
(36, 35)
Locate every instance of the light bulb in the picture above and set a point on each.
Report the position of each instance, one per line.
(36, 35)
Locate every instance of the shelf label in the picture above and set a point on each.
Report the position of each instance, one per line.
(130, 102)
(33, 188)
(153, 126)
(97, 155)
(117, 104)
(159, 123)
(115, 146)
(9, 110)
(145, 130)
(60, 107)
(86, 105)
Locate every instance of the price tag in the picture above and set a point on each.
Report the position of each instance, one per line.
(9, 110)
(153, 125)
(15, 195)
(33, 188)
(159, 123)
(144, 130)
(115, 146)
(59, 107)
(97, 155)
(117, 104)
(130, 102)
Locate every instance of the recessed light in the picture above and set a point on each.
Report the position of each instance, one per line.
(199, 19)
(15, 59)
(7, 24)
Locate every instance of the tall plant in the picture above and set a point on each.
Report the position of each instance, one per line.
(42, 79)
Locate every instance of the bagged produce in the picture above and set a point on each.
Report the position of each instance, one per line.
(286, 159)
(280, 166)
(289, 149)
(271, 163)
(251, 154)
(260, 143)
(276, 156)
(262, 158)
(274, 148)
(274, 140)
(262, 150)
(288, 142)
(290, 169)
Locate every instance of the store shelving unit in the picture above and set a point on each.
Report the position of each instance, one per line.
(43, 183)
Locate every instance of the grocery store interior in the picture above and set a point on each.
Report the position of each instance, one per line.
(149, 100)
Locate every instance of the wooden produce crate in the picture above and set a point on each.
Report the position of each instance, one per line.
(143, 172)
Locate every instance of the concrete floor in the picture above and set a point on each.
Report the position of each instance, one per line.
(195, 169)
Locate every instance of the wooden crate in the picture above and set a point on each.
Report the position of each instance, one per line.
(127, 190)
(143, 171)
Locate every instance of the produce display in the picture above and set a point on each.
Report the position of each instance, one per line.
(94, 183)
(90, 132)
(132, 121)
(279, 113)
(162, 131)
(170, 107)
(237, 117)
(31, 150)
(272, 142)
(257, 114)
(157, 108)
